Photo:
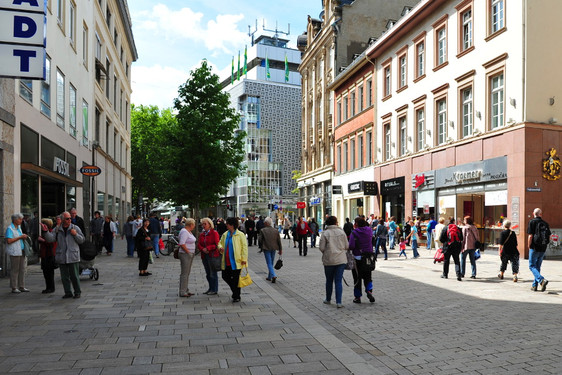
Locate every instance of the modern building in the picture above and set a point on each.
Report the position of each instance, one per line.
(342, 32)
(79, 115)
(466, 117)
(268, 98)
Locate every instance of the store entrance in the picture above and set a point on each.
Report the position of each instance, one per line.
(393, 205)
(52, 198)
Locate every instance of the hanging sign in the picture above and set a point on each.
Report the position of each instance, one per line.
(90, 170)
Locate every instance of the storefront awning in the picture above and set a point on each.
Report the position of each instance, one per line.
(35, 169)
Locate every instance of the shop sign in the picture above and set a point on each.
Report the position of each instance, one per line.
(301, 204)
(22, 39)
(61, 167)
(355, 187)
(478, 172)
(534, 189)
(314, 201)
(420, 180)
(337, 189)
(393, 186)
(424, 180)
(90, 171)
(551, 165)
(370, 188)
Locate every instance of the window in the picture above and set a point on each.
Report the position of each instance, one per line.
(98, 47)
(121, 54)
(467, 29)
(361, 152)
(403, 135)
(345, 108)
(338, 114)
(108, 17)
(441, 46)
(441, 107)
(26, 90)
(60, 99)
(339, 159)
(352, 104)
(46, 89)
(369, 92)
(345, 157)
(108, 79)
(72, 110)
(402, 69)
(420, 59)
(466, 96)
(497, 101)
(114, 93)
(84, 123)
(353, 148)
(115, 37)
(361, 98)
(60, 13)
(369, 153)
(107, 140)
(121, 105)
(420, 129)
(127, 70)
(497, 12)
(387, 81)
(72, 24)
(85, 46)
(126, 117)
(387, 140)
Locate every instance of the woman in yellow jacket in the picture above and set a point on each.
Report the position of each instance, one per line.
(234, 249)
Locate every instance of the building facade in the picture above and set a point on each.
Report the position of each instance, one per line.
(344, 29)
(270, 110)
(465, 114)
(79, 115)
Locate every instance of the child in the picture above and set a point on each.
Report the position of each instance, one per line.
(402, 247)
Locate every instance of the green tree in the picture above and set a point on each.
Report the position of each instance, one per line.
(148, 151)
(206, 149)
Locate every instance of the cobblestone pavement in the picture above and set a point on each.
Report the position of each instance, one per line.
(419, 324)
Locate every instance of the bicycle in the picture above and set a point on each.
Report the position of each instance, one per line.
(170, 245)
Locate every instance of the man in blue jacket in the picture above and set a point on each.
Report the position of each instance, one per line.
(155, 233)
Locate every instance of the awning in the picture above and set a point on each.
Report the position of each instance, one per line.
(41, 171)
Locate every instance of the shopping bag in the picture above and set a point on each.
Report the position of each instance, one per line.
(244, 279)
(161, 244)
(477, 254)
(279, 263)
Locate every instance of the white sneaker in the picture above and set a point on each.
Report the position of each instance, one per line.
(339, 306)
(16, 291)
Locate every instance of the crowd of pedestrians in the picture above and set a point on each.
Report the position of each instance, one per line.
(223, 246)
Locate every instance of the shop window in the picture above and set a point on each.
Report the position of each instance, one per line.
(29, 143)
(420, 129)
(29, 193)
(70, 197)
(46, 89)
(26, 90)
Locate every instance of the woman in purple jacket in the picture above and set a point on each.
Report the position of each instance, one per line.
(361, 243)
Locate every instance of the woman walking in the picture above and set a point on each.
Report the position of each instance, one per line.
(334, 245)
(109, 232)
(208, 245)
(186, 254)
(508, 251)
(469, 236)
(234, 248)
(143, 245)
(14, 248)
(361, 242)
(47, 251)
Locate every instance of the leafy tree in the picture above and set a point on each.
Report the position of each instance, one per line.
(205, 147)
(149, 150)
(296, 174)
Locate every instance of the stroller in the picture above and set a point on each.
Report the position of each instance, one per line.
(88, 253)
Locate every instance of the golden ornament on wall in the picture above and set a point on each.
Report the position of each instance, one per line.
(551, 165)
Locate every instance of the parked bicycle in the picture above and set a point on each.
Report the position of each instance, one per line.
(170, 245)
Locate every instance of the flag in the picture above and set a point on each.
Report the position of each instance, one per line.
(232, 72)
(267, 73)
(238, 71)
(286, 69)
(246, 60)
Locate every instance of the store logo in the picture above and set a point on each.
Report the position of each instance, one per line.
(61, 167)
(391, 184)
(461, 177)
(551, 165)
(420, 180)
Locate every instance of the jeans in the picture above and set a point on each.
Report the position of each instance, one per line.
(69, 274)
(381, 242)
(312, 240)
(429, 240)
(470, 253)
(391, 239)
(155, 238)
(535, 262)
(130, 245)
(269, 258)
(415, 248)
(334, 275)
(212, 276)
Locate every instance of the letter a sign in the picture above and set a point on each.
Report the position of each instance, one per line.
(22, 38)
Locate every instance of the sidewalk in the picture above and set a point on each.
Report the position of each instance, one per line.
(420, 323)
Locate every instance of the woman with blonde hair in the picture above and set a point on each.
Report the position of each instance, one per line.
(208, 245)
(186, 254)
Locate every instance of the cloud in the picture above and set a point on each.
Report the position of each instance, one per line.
(221, 34)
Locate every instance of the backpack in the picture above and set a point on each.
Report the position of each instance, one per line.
(454, 234)
(542, 234)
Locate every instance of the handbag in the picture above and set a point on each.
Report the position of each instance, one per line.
(215, 263)
(279, 263)
(350, 261)
(244, 280)
(477, 244)
(148, 245)
(477, 254)
(27, 251)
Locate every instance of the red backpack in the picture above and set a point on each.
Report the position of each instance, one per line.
(454, 234)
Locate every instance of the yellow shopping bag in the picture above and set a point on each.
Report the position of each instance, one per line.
(244, 280)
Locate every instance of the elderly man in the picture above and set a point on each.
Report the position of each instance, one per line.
(269, 240)
(77, 220)
(68, 237)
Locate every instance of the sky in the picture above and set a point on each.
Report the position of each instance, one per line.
(173, 37)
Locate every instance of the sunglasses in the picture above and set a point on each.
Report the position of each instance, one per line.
(66, 218)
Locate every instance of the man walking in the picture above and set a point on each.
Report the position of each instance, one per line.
(68, 237)
(303, 230)
(429, 232)
(155, 233)
(538, 239)
(96, 226)
(251, 230)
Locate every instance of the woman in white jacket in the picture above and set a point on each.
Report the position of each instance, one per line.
(333, 245)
